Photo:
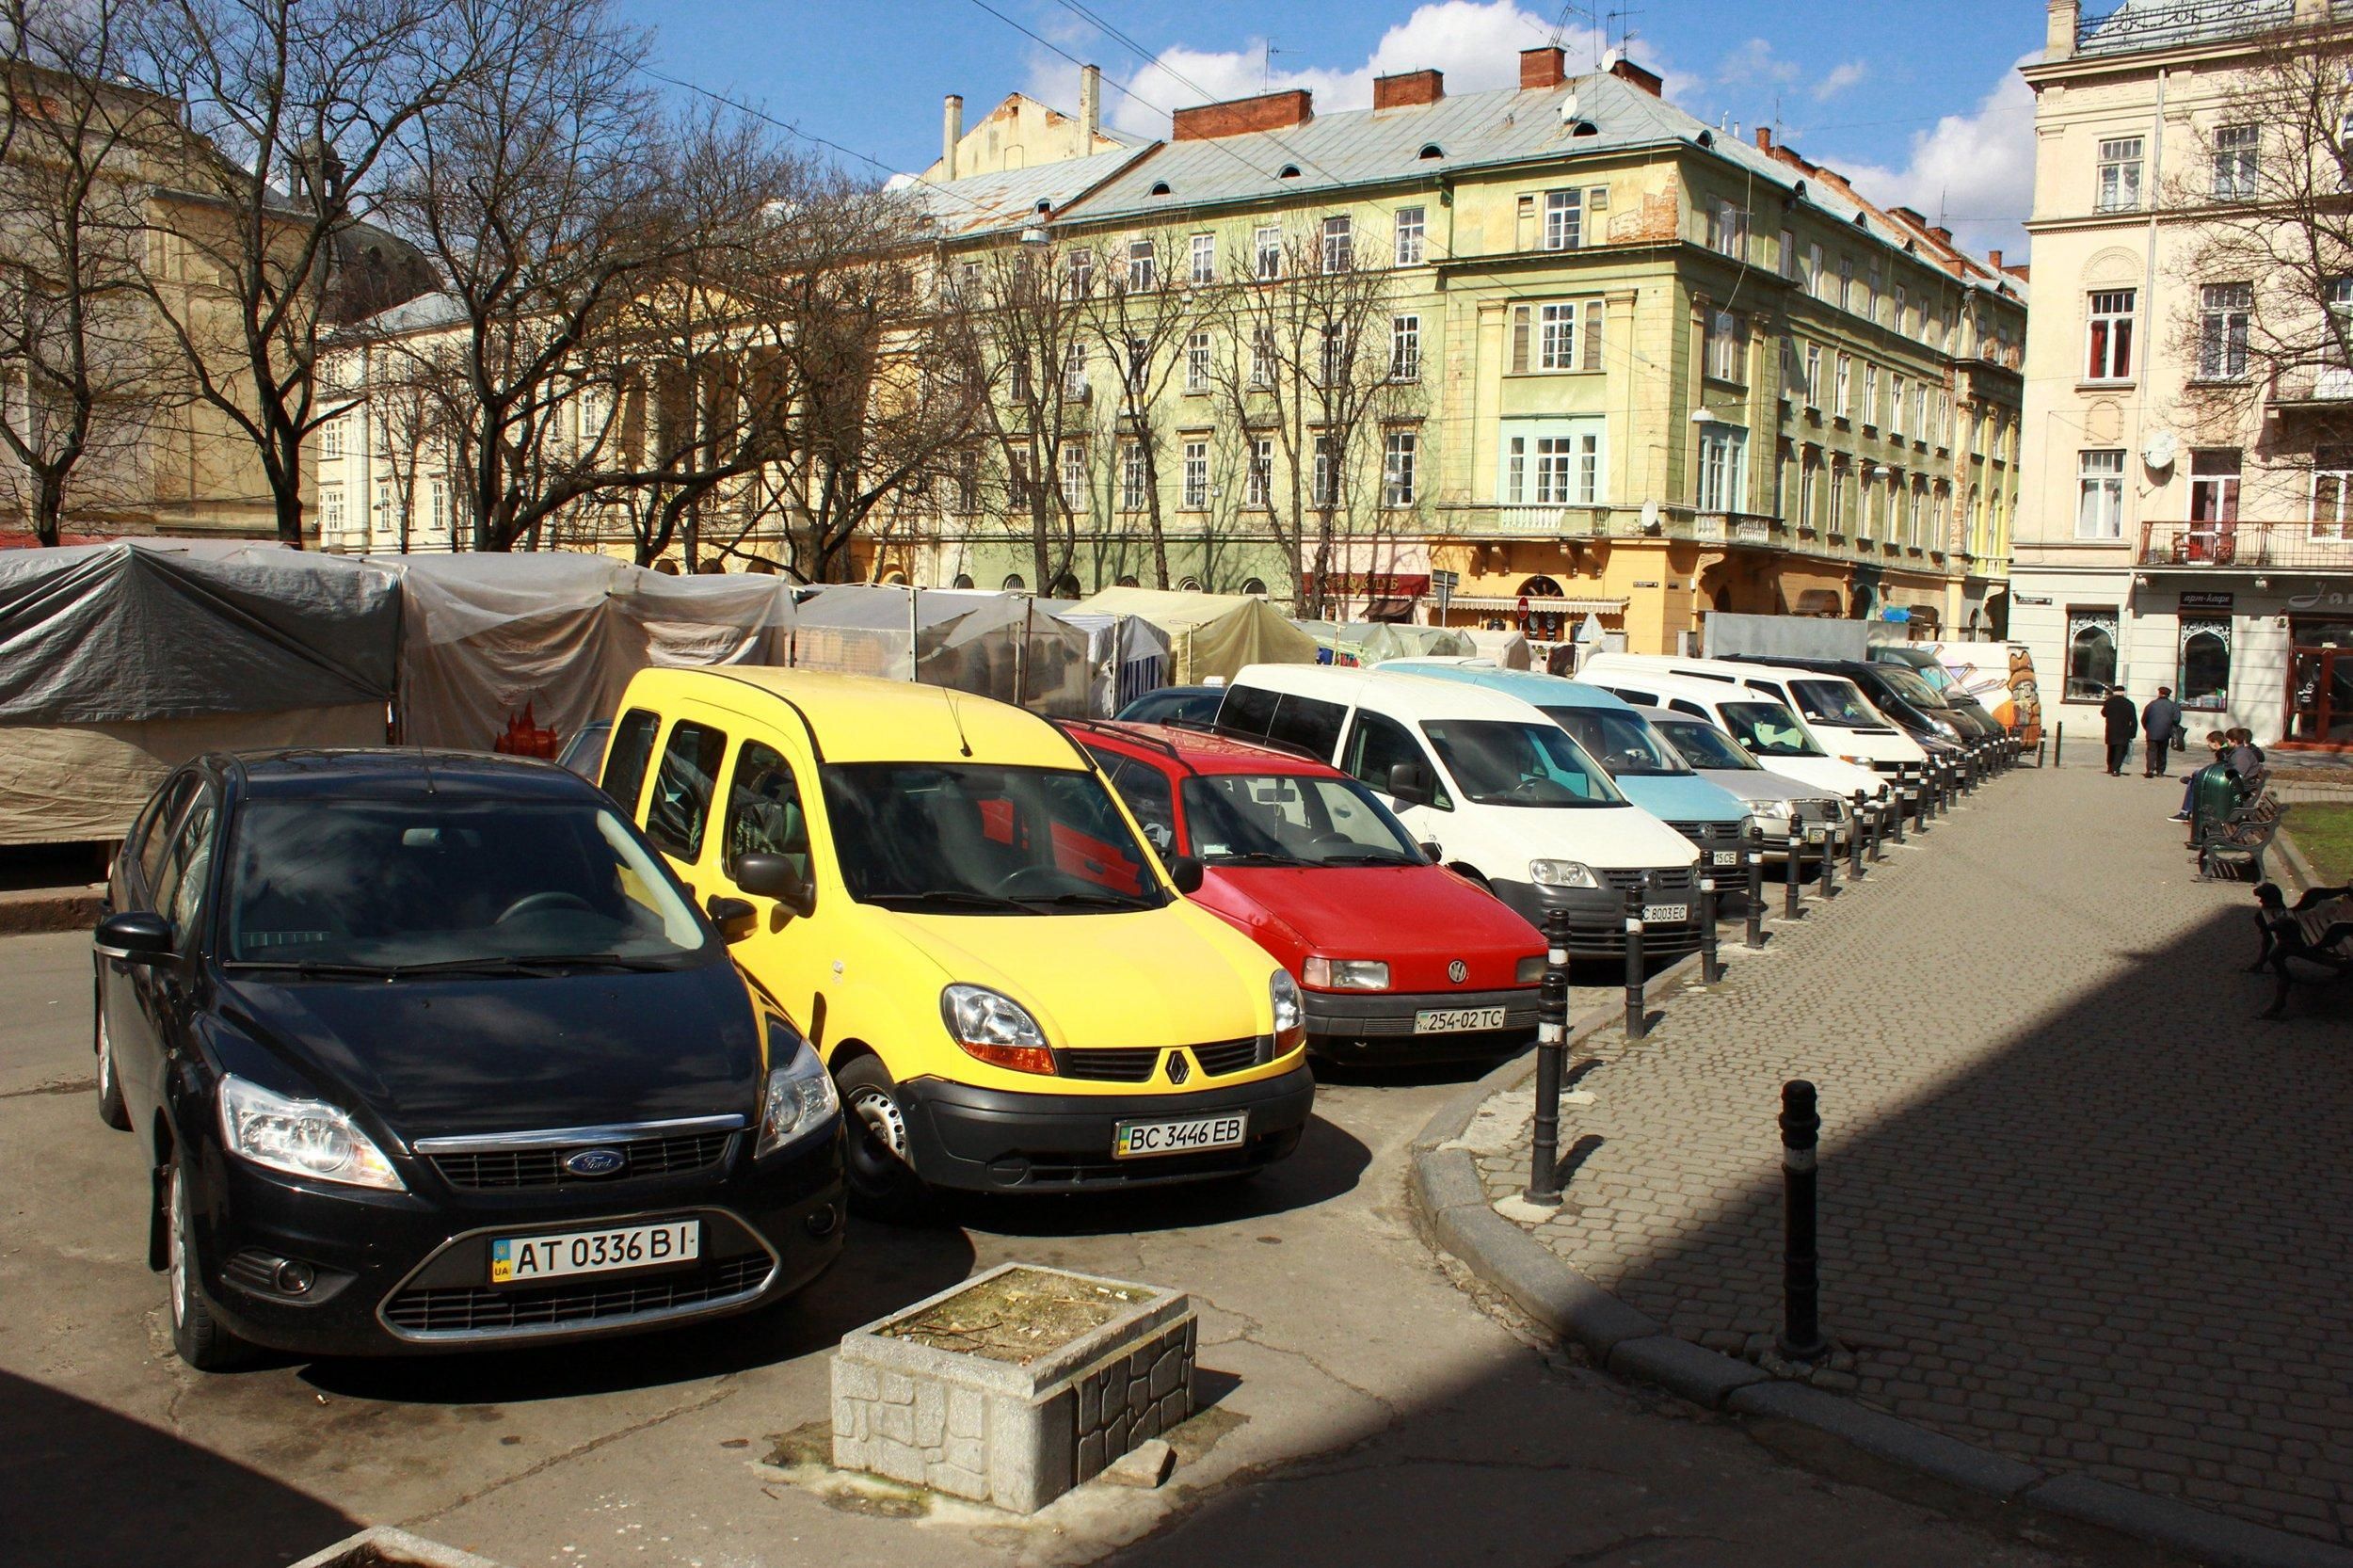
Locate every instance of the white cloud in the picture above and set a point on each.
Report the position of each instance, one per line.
(1755, 64)
(1976, 169)
(1841, 77)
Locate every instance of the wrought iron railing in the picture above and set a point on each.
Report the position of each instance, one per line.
(2152, 24)
(2249, 546)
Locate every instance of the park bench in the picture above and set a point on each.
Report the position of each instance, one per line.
(2317, 929)
(2243, 838)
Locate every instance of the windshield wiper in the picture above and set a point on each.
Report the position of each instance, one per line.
(1368, 858)
(1087, 900)
(948, 898)
(535, 962)
(313, 967)
(1257, 857)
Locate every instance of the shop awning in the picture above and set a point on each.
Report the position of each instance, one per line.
(1374, 585)
(1538, 606)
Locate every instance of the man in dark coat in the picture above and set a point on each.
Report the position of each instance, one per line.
(2123, 721)
(2159, 723)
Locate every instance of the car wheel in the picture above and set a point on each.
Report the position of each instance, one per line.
(111, 1109)
(883, 1182)
(196, 1333)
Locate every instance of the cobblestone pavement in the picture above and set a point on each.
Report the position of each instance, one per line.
(2079, 1206)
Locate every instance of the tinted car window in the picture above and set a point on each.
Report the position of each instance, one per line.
(1703, 745)
(1623, 742)
(180, 894)
(1768, 730)
(1248, 709)
(625, 760)
(1500, 762)
(764, 811)
(680, 804)
(1377, 745)
(1284, 818)
(160, 821)
(1835, 702)
(1310, 723)
(1145, 788)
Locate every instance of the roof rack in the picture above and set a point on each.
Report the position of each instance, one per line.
(1119, 732)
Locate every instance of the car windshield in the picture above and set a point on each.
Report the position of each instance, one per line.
(1623, 742)
(447, 880)
(1287, 819)
(1940, 679)
(1905, 682)
(1703, 745)
(971, 838)
(1832, 701)
(1196, 709)
(1507, 762)
(1767, 728)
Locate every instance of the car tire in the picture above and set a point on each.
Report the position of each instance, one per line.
(111, 1109)
(882, 1184)
(199, 1338)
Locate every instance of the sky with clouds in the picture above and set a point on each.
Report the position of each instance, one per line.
(1918, 104)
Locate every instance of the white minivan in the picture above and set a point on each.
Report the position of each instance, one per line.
(1764, 725)
(1510, 798)
(1837, 712)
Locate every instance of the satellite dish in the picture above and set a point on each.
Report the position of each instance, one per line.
(2161, 450)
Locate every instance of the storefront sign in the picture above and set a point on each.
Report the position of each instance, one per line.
(2205, 602)
(2031, 598)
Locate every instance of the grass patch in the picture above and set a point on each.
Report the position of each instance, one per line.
(2325, 834)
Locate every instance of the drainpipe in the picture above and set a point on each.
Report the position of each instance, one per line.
(2145, 313)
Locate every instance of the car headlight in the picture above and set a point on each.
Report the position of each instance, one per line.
(1945, 729)
(1347, 974)
(1857, 762)
(1770, 807)
(799, 1097)
(1562, 873)
(303, 1138)
(1530, 971)
(1290, 1013)
(993, 1028)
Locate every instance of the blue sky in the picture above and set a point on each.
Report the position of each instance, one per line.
(1918, 104)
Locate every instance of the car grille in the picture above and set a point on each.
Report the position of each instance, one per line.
(1669, 882)
(479, 1309)
(495, 1170)
(1221, 1057)
(1823, 811)
(1710, 835)
(1119, 1064)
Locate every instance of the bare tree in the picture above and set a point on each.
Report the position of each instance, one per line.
(83, 375)
(1142, 328)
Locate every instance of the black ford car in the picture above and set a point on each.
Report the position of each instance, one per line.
(429, 1050)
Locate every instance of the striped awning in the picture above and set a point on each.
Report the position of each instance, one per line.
(1538, 606)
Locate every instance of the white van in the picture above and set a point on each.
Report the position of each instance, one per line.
(1836, 711)
(1510, 798)
(1764, 725)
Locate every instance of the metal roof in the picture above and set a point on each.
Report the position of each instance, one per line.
(2139, 24)
(980, 204)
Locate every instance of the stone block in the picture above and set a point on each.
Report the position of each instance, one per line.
(855, 1380)
(967, 1413)
(931, 1414)
(1090, 1404)
(895, 1423)
(1175, 1409)
(966, 1453)
(897, 1388)
(1145, 1465)
(1089, 1456)
(1168, 1372)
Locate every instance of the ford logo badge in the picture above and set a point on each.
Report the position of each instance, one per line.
(595, 1162)
(1458, 972)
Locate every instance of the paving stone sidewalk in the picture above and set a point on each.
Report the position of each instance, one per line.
(2079, 1204)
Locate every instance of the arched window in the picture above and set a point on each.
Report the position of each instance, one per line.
(1540, 587)
(1159, 187)
(1289, 171)
(1065, 587)
(1255, 585)
(2090, 654)
(2205, 664)
(1432, 149)
(964, 580)
(895, 578)
(1014, 582)
(1190, 586)
(1127, 580)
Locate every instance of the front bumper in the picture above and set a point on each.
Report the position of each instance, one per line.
(408, 1271)
(1597, 914)
(1377, 1026)
(1005, 1141)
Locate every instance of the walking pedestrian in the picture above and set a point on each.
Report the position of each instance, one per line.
(2122, 720)
(2160, 721)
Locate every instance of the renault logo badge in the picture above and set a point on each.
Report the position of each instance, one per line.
(1177, 1069)
(1458, 972)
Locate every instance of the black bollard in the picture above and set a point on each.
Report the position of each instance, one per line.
(2059, 744)
(1900, 799)
(1754, 855)
(1829, 861)
(1801, 1278)
(1879, 826)
(1711, 969)
(1854, 841)
(1636, 1019)
(1792, 867)
(1552, 1033)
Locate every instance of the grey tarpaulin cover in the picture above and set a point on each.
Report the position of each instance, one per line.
(1127, 656)
(1002, 646)
(112, 632)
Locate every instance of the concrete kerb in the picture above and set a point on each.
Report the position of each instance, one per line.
(2300, 872)
(1447, 1191)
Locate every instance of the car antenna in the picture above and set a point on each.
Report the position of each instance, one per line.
(947, 695)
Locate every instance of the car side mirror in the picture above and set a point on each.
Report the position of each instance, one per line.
(734, 916)
(1409, 782)
(1434, 851)
(1184, 871)
(763, 874)
(137, 936)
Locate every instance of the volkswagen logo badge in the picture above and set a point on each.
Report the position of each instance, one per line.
(595, 1162)
(1458, 972)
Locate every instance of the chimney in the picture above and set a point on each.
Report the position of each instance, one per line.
(950, 133)
(2058, 31)
(1407, 88)
(1090, 107)
(1764, 138)
(1268, 111)
(1943, 235)
(1543, 68)
(1649, 81)
(1994, 260)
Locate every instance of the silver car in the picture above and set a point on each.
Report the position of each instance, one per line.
(1776, 802)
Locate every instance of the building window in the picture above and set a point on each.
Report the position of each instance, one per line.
(330, 508)
(1564, 220)
(1553, 463)
(1205, 258)
(1268, 246)
(1196, 475)
(1409, 236)
(1319, 487)
(1074, 371)
(1723, 467)
(2213, 475)
(1871, 394)
(1896, 408)
(1814, 375)
(2100, 495)
(1079, 274)
(1556, 339)
(1903, 311)
(1721, 346)
(1844, 407)
(1143, 267)
(2235, 152)
(1406, 348)
(967, 481)
(1339, 244)
(1809, 481)
(331, 438)
(1845, 282)
(1817, 282)
(2090, 653)
(2203, 674)
(437, 504)
(1337, 353)
(2108, 355)
(1197, 362)
(2119, 175)
(2224, 310)
(2331, 509)
(1074, 476)
(1262, 355)
(1397, 455)
(1788, 256)
(1921, 430)
(1132, 484)
(1839, 498)
(1728, 229)
(1259, 484)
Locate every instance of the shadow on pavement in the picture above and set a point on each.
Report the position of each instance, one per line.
(82, 1487)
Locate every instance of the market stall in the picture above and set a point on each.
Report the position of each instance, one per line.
(1002, 646)
(1209, 634)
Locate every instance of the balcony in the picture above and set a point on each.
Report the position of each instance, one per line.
(2315, 389)
(2248, 546)
(1515, 521)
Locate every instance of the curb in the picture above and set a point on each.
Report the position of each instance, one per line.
(33, 909)
(2299, 868)
(1448, 1193)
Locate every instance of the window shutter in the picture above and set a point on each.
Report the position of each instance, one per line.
(1594, 309)
(1519, 340)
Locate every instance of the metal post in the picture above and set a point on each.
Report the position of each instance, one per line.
(2059, 744)
(1711, 969)
(1899, 798)
(1755, 908)
(1829, 863)
(1801, 1277)
(1879, 826)
(1791, 867)
(1552, 1033)
(1637, 1019)
(1854, 841)
(2042, 750)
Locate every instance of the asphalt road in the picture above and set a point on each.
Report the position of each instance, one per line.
(1363, 1408)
